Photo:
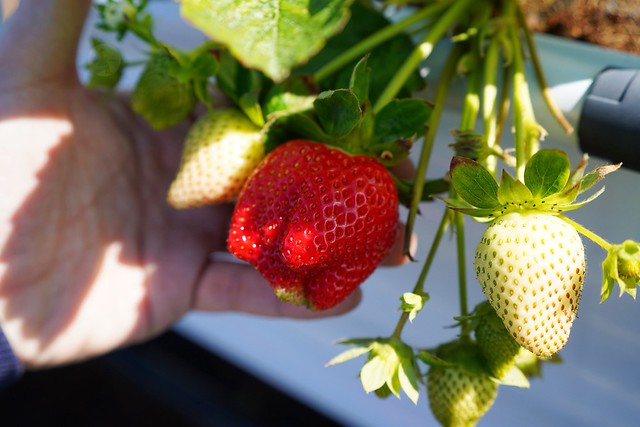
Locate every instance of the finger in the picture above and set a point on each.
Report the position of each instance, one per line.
(397, 254)
(40, 39)
(228, 286)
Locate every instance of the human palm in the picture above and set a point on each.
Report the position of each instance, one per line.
(91, 256)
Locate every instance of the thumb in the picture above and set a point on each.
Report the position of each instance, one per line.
(40, 40)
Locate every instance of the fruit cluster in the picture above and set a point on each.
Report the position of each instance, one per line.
(314, 122)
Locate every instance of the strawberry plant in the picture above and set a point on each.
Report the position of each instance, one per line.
(311, 108)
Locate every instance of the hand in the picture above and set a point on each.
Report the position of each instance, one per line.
(91, 256)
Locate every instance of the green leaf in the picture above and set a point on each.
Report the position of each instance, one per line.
(296, 94)
(338, 111)
(512, 190)
(383, 61)
(401, 119)
(547, 172)
(359, 83)
(293, 126)
(270, 35)
(242, 86)
(474, 183)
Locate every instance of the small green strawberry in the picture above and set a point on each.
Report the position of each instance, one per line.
(163, 95)
(531, 267)
(496, 344)
(460, 392)
(221, 150)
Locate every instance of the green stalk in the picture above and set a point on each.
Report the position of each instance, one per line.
(504, 103)
(527, 130)
(489, 101)
(369, 43)
(587, 233)
(462, 264)
(471, 104)
(446, 78)
(444, 23)
(542, 80)
(419, 286)
(471, 109)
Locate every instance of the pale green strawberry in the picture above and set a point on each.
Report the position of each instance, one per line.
(497, 346)
(221, 150)
(531, 267)
(460, 393)
(163, 95)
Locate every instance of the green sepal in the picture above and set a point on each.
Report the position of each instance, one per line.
(549, 186)
(296, 94)
(360, 78)
(286, 127)
(511, 190)
(547, 172)
(473, 183)
(106, 68)
(621, 266)
(397, 125)
(338, 111)
(596, 176)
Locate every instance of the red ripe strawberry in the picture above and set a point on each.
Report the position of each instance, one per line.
(315, 221)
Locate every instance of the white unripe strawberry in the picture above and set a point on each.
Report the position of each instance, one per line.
(531, 267)
(221, 150)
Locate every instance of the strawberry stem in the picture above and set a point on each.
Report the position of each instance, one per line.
(587, 233)
(527, 130)
(365, 46)
(419, 286)
(447, 76)
(422, 51)
(489, 101)
(542, 80)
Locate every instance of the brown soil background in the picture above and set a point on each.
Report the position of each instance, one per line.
(610, 23)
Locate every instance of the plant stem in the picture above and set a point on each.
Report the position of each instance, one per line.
(489, 102)
(419, 286)
(462, 264)
(471, 108)
(527, 130)
(587, 233)
(540, 76)
(369, 43)
(422, 51)
(446, 78)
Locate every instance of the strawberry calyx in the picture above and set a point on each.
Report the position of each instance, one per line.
(549, 186)
(621, 266)
(344, 118)
(390, 366)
